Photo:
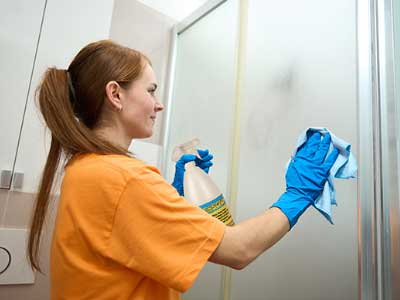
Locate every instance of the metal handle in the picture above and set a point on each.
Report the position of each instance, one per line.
(18, 180)
(5, 179)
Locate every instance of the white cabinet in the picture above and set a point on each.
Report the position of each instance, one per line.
(67, 27)
(20, 24)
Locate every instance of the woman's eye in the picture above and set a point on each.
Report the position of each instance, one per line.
(152, 92)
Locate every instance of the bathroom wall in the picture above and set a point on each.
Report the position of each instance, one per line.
(176, 9)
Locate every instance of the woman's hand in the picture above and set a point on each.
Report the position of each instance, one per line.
(204, 163)
(306, 176)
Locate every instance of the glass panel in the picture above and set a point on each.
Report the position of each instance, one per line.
(202, 106)
(396, 34)
(301, 72)
(19, 30)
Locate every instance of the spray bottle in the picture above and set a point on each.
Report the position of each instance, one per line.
(199, 188)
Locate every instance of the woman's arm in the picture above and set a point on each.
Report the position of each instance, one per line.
(305, 179)
(245, 241)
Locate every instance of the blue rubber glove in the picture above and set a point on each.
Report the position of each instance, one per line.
(306, 176)
(204, 163)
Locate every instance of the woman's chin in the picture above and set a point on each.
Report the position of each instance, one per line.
(150, 133)
(143, 135)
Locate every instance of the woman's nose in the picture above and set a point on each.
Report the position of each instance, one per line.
(159, 106)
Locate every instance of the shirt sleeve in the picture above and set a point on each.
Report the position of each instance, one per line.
(160, 234)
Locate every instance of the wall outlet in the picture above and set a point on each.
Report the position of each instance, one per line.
(14, 266)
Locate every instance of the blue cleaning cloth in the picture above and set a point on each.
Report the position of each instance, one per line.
(344, 167)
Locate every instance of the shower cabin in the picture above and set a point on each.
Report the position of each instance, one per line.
(246, 77)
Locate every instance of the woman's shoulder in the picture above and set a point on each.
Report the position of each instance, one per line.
(110, 167)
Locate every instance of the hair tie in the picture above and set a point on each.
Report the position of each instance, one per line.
(71, 88)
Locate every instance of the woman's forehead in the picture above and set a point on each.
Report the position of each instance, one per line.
(148, 74)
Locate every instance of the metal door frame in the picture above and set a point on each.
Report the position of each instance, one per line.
(389, 109)
(378, 201)
(178, 29)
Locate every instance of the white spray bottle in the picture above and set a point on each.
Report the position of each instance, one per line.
(199, 188)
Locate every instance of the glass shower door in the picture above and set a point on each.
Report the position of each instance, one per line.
(300, 72)
(308, 63)
(202, 106)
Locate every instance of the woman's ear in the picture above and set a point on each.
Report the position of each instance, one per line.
(113, 90)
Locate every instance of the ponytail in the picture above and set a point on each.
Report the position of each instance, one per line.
(69, 135)
(42, 202)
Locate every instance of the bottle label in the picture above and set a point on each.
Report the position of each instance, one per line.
(218, 209)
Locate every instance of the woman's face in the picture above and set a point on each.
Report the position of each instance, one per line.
(140, 106)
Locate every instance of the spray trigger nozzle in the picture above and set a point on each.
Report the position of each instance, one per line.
(186, 148)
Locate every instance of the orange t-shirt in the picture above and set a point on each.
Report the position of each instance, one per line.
(123, 232)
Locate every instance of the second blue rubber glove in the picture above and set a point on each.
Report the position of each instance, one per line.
(306, 176)
(204, 163)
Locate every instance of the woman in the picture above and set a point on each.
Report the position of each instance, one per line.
(123, 232)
